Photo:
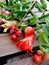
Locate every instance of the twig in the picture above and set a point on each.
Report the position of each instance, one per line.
(28, 11)
(6, 2)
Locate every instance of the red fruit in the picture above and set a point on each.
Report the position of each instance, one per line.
(19, 33)
(25, 46)
(1, 22)
(26, 43)
(13, 30)
(29, 31)
(13, 37)
(45, 57)
(37, 58)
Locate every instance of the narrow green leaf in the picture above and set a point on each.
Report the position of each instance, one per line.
(22, 25)
(33, 14)
(43, 37)
(34, 20)
(45, 45)
(24, 0)
(43, 2)
(46, 28)
(2, 4)
(38, 27)
(39, 7)
(47, 51)
(47, 21)
(42, 48)
(28, 18)
(10, 2)
(3, 16)
(44, 16)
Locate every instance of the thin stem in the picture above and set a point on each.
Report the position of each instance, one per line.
(28, 11)
(6, 2)
(34, 1)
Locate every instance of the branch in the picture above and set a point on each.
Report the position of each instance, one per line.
(6, 2)
(28, 11)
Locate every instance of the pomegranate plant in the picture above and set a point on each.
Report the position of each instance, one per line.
(17, 15)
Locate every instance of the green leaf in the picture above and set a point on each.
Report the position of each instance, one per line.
(44, 16)
(33, 14)
(18, 14)
(18, 8)
(22, 25)
(39, 7)
(3, 16)
(38, 27)
(33, 20)
(46, 28)
(10, 2)
(47, 51)
(6, 17)
(43, 2)
(47, 21)
(23, 28)
(43, 37)
(42, 48)
(2, 4)
(45, 45)
(24, 0)
(27, 18)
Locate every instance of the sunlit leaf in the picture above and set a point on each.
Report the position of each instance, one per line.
(43, 38)
(44, 16)
(46, 28)
(43, 2)
(47, 51)
(39, 7)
